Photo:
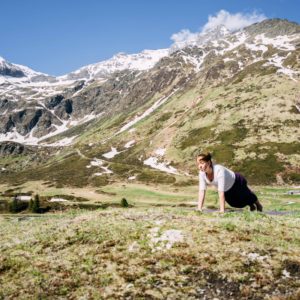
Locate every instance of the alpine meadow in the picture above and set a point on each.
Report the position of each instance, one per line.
(98, 181)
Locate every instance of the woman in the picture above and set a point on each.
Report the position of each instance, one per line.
(232, 187)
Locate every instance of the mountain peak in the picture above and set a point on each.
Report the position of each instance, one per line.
(220, 29)
(11, 70)
(274, 27)
(8, 69)
(201, 38)
(120, 54)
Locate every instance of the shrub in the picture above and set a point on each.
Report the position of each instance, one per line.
(196, 136)
(17, 205)
(293, 177)
(36, 204)
(13, 207)
(124, 202)
(148, 176)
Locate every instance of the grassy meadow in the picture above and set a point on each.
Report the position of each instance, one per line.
(157, 248)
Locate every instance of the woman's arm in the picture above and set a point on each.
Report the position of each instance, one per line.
(222, 201)
(201, 199)
(202, 189)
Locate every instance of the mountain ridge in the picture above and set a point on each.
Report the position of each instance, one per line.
(216, 92)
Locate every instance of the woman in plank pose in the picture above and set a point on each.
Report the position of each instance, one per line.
(232, 187)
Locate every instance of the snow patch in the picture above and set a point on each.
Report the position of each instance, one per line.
(62, 143)
(196, 61)
(24, 198)
(96, 162)
(160, 151)
(276, 61)
(106, 171)
(255, 47)
(256, 257)
(166, 240)
(157, 104)
(282, 42)
(29, 139)
(112, 153)
(240, 39)
(129, 144)
(286, 274)
(162, 166)
(226, 59)
(99, 163)
(58, 200)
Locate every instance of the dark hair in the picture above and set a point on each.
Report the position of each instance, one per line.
(205, 156)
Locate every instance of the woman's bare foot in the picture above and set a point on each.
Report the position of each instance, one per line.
(259, 207)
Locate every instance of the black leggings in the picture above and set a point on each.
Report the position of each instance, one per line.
(239, 195)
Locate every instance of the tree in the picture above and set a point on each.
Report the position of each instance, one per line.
(36, 204)
(13, 207)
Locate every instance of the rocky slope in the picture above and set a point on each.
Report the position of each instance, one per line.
(235, 94)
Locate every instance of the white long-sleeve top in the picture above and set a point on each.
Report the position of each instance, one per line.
(223, 179)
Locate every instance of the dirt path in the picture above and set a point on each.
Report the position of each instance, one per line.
(82, 155)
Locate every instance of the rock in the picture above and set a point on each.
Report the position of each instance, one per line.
(11, 148)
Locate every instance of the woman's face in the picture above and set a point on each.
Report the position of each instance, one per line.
(202, 165)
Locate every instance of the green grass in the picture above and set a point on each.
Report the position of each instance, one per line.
(147, 195)
(196, 136)
(139, 195)
(255, 69)
(111, 254)
(152, 176)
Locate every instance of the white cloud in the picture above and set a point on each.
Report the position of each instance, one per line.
(184, 36)
(232, 22)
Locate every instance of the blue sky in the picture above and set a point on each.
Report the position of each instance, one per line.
(60, 36)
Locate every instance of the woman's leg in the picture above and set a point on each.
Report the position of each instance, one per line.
(240, 195)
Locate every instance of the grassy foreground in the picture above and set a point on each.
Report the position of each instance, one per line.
(150, 253)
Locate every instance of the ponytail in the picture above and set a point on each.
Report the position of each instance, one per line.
(204, 156)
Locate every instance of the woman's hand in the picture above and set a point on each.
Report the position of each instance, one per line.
(222, 202)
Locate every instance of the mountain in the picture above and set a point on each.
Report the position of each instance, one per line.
(142, 116)
(10, 71)
(119, 62)
(202, 38)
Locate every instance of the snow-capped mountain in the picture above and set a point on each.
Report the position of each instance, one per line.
(9, 70)
(26, 92)
(34, 106)
(233, 93)
(200, 39)
(121, 61)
